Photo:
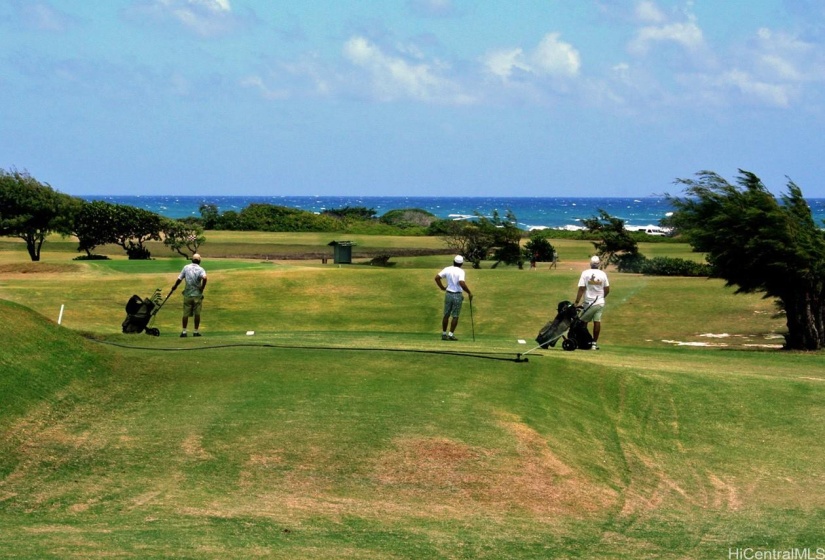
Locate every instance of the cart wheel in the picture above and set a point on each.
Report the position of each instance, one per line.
(569, 344)
(153, 332)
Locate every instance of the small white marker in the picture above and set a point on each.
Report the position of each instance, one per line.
(250, 333)
(522, 341)
(60, 316)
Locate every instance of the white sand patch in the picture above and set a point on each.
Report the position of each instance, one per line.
(702, 344)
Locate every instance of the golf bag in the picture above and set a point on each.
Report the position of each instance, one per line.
(140, 312)
(567, 320)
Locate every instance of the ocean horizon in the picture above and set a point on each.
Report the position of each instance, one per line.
(530, 212)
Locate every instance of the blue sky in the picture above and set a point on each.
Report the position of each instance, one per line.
(411, 97)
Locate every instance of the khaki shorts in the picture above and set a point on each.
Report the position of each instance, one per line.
(452, 303)
(192, 305)
(593, 313)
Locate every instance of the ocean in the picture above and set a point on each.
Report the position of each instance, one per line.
(530, 212)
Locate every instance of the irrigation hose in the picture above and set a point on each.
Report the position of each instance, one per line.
(481, 355)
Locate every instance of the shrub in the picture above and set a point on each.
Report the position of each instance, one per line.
(408, 217)
(91, 258)
(663, 266)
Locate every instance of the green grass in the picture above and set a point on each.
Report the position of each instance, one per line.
(345, 429)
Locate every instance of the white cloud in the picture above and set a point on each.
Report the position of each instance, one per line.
(502, 62)
(648, 12)
(206, 18)
(551, 57)
(787, 57)
(775, 94)
(393, 77)
(686, 34)
(775, 70)
(555, 57)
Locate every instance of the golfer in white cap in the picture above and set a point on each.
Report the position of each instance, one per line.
(594, 287)
(454, 296)
(195, 277)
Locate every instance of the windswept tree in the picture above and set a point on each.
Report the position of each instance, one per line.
(506, 239)
(134, 227)
(614, 241)
(94, 224)
(183, 238)
(760, 245)
(32, 210)
(483, 238)
(539, 247)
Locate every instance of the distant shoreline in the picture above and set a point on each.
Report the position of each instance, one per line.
(531, 212)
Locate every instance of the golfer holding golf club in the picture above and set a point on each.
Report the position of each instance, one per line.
(454, 296)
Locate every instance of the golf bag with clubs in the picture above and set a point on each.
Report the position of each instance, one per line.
(567, 320)
(140, 312)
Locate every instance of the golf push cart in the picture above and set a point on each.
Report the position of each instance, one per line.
(141, 312)
(568, 319)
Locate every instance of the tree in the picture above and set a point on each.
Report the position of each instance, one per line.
(477, 240)
(539, 246)
(506, 239)
(134, 227)
(613, 239)
(94, 224)
(178, 236)
(760, 244)
(209, 215)
(31, 210)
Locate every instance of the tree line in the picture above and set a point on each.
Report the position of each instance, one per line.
(754, 241)
(31, 211)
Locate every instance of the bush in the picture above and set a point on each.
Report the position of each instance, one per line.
(381, 260)
(351, 213)
(91, 258)
(408, 217)
(538, 247)
(269, 217)
(663, 266)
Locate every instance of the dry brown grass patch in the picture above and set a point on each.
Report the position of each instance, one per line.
(38, 268)
(529, 478)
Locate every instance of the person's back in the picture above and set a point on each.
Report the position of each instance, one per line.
(453, 298)
(193, 273)
(593, 288)
(194, 277)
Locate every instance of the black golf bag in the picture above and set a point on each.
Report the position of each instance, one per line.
(140, 312)
(568, 319)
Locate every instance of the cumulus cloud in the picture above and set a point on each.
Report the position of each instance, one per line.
(686, 34)
(750, 86)
(648, 11)
(392, 76)
(775, 69)
(206, 18)
(551, 57)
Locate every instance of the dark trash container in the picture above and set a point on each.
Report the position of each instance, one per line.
(341, 251)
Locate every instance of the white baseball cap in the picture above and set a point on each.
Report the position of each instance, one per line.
(595, 259)
(458, 259)
(196, 257)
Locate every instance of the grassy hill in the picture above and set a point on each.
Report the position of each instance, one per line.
(345, 429)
